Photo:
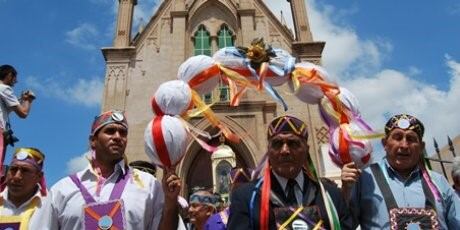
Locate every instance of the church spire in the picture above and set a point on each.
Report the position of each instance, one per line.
(300, 19)
(124, 23)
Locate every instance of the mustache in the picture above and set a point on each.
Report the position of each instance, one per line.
(287, 158)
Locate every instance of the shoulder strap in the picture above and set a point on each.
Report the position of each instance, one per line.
(84, 192)
(384, 187)
(120, 185)
(429, 197)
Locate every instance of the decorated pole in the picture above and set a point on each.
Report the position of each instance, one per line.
(436, 147)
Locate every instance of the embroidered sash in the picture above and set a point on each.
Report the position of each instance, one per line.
(20, 222)
(407, 218)
(297, 218)
(104, 215)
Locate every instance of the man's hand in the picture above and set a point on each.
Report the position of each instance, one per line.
(350, 175)
(28, 95)
(171, 186)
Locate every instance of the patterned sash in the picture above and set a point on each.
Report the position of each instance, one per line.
(406, 218)
(104, 215)
(298, 218)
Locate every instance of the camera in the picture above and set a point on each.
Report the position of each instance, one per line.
(29, 94)
(9, 138)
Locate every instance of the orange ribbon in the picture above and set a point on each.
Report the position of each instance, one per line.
(204, 76)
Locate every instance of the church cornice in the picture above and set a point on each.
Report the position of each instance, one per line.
(308, 49)
(112, 54)
(179, 13)
(247, 12)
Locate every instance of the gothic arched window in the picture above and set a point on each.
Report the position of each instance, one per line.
(225, 37)
(202, 41)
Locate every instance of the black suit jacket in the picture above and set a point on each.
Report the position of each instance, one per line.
(240, 212)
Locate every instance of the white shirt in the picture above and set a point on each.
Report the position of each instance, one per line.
(143, 206)
(40, 218)
(298, 188)
(7, 101)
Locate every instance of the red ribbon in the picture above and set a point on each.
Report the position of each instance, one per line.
(159, 141)
(156, 108)
(344, 147)
(265, 199)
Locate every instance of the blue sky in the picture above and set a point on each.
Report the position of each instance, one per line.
(407, 51)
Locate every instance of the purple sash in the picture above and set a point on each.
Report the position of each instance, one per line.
(104, 215)
(12, 226)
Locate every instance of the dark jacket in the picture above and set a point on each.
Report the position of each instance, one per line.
(240, 213)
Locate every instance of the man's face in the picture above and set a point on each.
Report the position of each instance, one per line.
(199, 213)
(10, 79)
(287, 154)
(110, 143)
(404, 150)
(22, 179)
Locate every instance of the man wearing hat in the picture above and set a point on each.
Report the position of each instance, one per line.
(108, 194)
(203, 204)
(24, 203)
(289, 195)
(399, 192)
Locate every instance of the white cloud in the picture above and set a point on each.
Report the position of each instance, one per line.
(77, 164)
(83, 92)
(84, 36)
(454, 9)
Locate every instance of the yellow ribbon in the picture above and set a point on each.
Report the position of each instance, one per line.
(137, 178)
(291, 218)
(371, 135)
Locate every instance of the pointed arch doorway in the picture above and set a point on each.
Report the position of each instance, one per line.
(196, 168)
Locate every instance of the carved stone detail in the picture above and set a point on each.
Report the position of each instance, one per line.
(322, 135)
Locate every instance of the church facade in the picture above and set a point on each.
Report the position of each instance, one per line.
(136, 66)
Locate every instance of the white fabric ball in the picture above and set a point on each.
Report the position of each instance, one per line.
(349, 104)
(310, 93)
(282, 66)
(173, 97)
(359, 149)
(194, 66)
(175, 139)
(230, 57)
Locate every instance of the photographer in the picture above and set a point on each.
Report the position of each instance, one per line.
(9, 102)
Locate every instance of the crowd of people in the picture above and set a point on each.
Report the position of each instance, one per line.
(396, 192)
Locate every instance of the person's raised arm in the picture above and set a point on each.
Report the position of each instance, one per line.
(171, 188)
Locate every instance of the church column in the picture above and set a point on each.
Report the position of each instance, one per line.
(124, 23)
(247, 15)
(300, 19)
(116, 77)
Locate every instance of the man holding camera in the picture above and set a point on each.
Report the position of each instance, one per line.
(9, 102)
